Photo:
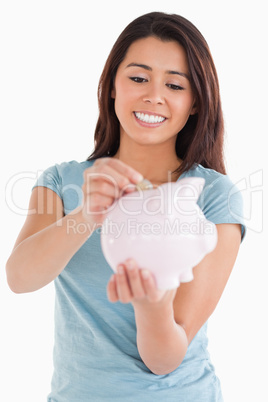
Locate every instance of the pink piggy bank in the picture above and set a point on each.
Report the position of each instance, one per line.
(163, 229)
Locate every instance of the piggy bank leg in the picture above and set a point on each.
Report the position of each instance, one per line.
(167, 283)
(187, 276)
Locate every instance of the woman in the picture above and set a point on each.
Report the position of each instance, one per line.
(160, 119)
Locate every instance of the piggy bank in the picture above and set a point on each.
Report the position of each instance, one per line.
(163, 229)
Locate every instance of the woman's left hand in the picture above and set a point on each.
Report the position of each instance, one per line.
(132, 284)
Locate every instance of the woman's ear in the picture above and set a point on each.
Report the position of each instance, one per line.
(194, 109)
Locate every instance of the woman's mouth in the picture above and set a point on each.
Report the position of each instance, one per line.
(149, 119)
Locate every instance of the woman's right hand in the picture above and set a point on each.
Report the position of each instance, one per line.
(104, 182)
(49, 239)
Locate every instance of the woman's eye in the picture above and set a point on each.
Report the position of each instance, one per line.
(175, 87)
(138, 79)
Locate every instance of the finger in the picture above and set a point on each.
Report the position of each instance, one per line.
(134, 279)
(103, 176)
(111, 290)
(122, 285)
(97, 203)
(133, 175)
(104, 187)
(130, 188)
(149, 285)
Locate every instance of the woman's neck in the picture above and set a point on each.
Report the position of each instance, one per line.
(154, 164)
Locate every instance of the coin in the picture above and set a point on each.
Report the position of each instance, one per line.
(144, 185)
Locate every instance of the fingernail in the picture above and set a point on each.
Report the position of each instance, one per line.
(130, 264)
(137, 177)
(130, 188)
(145, 274)
(120, 269)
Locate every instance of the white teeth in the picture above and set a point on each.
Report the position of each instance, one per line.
(149, 118)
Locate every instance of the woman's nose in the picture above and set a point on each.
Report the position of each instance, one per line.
(154, 94)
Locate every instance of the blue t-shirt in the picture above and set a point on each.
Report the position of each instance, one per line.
(95, 352)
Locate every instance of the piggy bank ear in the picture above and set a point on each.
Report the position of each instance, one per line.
(191, 187)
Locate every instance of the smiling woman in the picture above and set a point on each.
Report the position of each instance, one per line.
(200, 140)
(120, 337)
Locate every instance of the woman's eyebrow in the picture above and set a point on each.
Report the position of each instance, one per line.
(148, 68)
(140, 65)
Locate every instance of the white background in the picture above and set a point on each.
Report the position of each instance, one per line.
(52, 54)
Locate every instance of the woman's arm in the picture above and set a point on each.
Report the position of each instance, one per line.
(45, 243)
(168, 321)
(195, 301)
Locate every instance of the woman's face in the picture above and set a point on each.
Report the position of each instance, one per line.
(152, 92)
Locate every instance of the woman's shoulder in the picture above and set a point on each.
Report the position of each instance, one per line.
(211, 176)
(220, 199)
(217, 185)
(72, 166)
(61, 174)
(69, 171)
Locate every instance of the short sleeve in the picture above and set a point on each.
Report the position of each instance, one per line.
(222, 202)
(51, 179)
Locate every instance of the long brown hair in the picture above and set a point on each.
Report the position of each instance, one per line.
(201, 139)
